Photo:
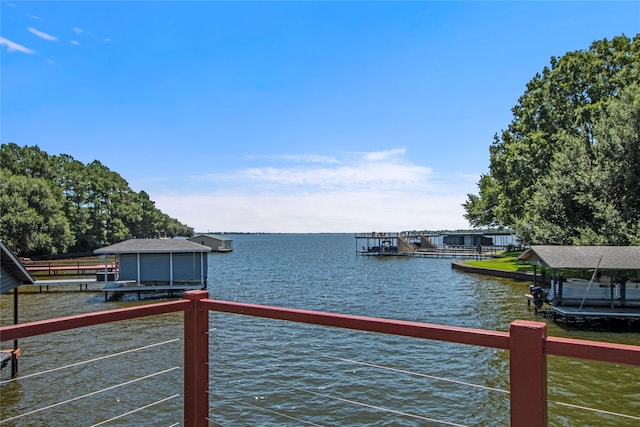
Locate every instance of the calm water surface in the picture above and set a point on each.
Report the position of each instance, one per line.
(268, 373)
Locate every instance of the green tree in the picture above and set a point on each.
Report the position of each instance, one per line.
(27, 161)
(480, 210)
(592, 194)
(150, 223)
(31, 215)
(52, 204)
(618, 147)
(557, 124)
(71, 177)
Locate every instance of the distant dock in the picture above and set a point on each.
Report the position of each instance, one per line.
(429, 245)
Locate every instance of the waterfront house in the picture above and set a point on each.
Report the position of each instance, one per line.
(216, 242)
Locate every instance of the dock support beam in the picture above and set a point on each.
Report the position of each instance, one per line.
(15, 353)
(528, 373)
(196, 361)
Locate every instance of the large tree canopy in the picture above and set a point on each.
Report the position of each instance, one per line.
(565, 171)
(55, 204)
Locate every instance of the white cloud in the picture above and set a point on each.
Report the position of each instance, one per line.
(15, 47)
(42, 35)
(310, 158)
(383, 169)
(358, 175)
(78, 30)
(382, 155)
(374, 191)
(37, 18)
(344, 211)
(74, 42)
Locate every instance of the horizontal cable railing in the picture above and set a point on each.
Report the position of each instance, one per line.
(158, 402)
(87, 390)
(526, 341)
(331, 397)
(236, 372)
(87, 395)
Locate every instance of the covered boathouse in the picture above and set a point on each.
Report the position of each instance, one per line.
(216, 242)
(156, 265)
(609, 286)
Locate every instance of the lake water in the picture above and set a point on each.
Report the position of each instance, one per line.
(272, 373)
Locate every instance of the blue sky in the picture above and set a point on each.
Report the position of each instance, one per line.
(286, 116)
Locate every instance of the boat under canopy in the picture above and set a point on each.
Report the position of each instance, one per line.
(614, 282)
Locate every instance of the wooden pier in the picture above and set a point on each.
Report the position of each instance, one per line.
(79, 268)
(119, 288)
(84, 284)
(596, 313)
(114, 289)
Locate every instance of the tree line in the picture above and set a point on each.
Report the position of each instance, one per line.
(54, 204)
(567, 168)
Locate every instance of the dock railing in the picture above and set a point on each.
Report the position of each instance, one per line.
(71, 267)
(526, 341)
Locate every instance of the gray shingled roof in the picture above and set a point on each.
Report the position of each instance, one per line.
(136, 246)
(585, 257)
(14, 272)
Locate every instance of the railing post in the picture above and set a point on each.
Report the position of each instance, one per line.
(528, 373)
(196, 361)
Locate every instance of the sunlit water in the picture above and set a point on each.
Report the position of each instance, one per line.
(265, 372)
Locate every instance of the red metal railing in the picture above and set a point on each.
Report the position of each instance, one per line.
(527, 342)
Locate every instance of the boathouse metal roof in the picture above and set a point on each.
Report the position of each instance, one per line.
(212, 235)
(139, 246)
(13, 272)
(584, 257)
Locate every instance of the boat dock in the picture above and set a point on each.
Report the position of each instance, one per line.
(612, 292)
(115, 289)
(596, 313)
(54, 268)
(426, 245)
(84, 284)
(119, 288)
(572, 314)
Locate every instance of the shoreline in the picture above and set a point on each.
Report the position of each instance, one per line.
(516, 275)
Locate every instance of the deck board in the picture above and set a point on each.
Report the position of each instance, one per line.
(598, 312)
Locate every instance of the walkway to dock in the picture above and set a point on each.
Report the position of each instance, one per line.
(448, 254)
(84, 284)
(77, 267)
